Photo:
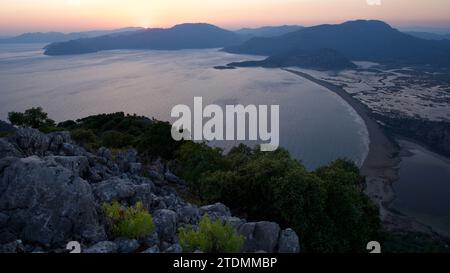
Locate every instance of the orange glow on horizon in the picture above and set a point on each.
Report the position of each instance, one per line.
(77, 15)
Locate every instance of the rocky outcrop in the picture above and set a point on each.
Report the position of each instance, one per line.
(51, 192)
(7, 149)
(46, 203)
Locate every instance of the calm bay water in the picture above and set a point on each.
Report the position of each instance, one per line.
(423, 190)
(316, 126)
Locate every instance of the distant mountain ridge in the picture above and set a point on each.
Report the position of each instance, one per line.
(268, 31)
(429, 35)
(184, 36)
(320, 59)
(51, 37)
(357, 40)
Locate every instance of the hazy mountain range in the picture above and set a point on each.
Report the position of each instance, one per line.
(51, 37)
(367, 40)
(184, 36)
(268, 31)
(320, 59)
(357, 40)
(429, 35)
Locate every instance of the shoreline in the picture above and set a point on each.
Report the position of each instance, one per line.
(380, 168)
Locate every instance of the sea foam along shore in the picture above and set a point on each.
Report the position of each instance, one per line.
(380, 166)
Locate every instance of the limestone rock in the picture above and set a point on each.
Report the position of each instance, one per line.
(260, 236)
(166, 224)
(46, 203)
(102, 247)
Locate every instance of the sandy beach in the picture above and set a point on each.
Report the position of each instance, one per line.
(380, 167)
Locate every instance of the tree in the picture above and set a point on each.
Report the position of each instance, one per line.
(33, 117)
(16, 118)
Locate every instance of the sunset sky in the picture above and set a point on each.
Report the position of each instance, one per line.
(17, 16)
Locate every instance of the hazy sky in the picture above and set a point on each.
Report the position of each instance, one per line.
(74, 15)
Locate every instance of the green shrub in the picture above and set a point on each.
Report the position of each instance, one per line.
(197, 159)
(157, 141)
(5, 134)
(67, 125)
(133, 222)
(114, 139)
(211, 237)
(152, 138)
(85, 137)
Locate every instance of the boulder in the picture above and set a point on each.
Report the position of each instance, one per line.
(143, 195)
(102, 247)
(217, 210)
(56, 141)
(104, 153)
(7, 149)
(135, 168)
(151, 240)
(288, 242)
(124, 159)
(99, 172)
(156, 171)
(13, 247)
(79, 165)
(114, 189)
(235, 222)
(260, 236)
(172, 201)
(126, 245)
(188, 214)
(175, 248)
(31, 141)
(155, 203)
(69, 149)
(152, 250)
(166, 224)
(46, 203)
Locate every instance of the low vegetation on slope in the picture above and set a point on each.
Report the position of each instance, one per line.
(327, 207)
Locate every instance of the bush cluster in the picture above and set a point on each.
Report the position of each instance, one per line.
(211, 237)
(152, 138)
(133, 222)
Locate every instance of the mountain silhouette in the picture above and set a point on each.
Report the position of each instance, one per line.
(51, 37)
(320, 59)
(184, 36)
(268, 31)
(429, 35)
(358, 40)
